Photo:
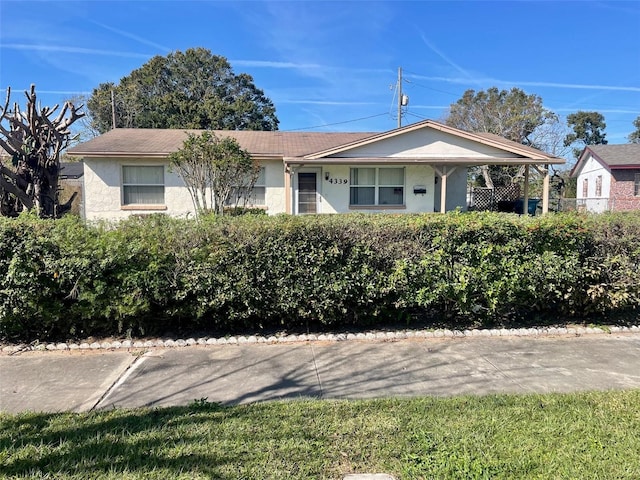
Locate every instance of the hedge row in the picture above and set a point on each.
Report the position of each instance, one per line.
(151, 275)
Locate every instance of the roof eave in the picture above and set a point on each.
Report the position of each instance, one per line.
(422, 161)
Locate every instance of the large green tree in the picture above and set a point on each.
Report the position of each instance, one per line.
(634, 137)
(191, 89)
(588, 129)
(512, 114)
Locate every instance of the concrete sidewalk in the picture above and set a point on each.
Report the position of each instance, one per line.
(231, 374)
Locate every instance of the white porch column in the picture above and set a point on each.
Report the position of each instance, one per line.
(525, 206)
(287, 189)
(545, 187)
(545, 191)
(443, 173)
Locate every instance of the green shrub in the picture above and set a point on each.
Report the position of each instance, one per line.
(155, 274)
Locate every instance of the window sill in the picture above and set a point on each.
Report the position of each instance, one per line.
(377, 207)
(143, 207)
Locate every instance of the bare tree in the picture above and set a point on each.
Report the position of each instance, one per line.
(34, 140)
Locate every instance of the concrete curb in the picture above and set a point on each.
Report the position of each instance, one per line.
(322, 337)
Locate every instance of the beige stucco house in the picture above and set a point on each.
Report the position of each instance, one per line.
(418, 168)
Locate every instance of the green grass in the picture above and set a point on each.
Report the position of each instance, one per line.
(585, 435)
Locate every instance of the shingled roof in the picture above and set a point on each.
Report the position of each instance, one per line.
(143, 142)
(310, 146)
(613, 157)
(617, 155)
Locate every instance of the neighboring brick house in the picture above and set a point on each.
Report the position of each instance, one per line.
(608, 178)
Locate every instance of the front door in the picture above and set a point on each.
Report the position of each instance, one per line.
(307, 192)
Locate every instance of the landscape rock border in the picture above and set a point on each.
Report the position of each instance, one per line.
(322, 337)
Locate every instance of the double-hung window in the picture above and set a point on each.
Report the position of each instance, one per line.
(599, 186)
(143, 185)
(377, 186)
(255, 197)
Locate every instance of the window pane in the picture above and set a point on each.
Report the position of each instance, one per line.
(143, 175)
(391, 196)
(143, 195)
(363, 195)
(257, 197)
(363, 176)
(261, 178)
(391, 176)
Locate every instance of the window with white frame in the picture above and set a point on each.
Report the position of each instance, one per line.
(585, 188)
(377, 186)
(142, 185)
(255, 197)
(636, 185)
(599, 186)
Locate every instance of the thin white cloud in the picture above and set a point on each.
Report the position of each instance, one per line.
(132, 36)
(324, 102)
(444, 57)
(494, 81)
(608, 110)
(67, 49)
(428, 107)
(272, 64)
(577, 86)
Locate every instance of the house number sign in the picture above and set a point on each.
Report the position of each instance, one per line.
(338, 181)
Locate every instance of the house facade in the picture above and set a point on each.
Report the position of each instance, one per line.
(414, 169)
(608, 178)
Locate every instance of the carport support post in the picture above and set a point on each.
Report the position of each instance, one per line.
(545, 188)
(525, 203)
(443, 187)
(545, 191)
(443, 191)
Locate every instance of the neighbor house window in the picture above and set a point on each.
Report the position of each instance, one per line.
(636, 185)
(242, 196)
(585, 188)
(599, 186)
(142, 185)
(377, 186)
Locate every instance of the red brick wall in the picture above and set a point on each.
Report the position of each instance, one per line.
(622, 185)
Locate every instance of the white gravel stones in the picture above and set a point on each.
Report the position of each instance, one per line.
(326, 337)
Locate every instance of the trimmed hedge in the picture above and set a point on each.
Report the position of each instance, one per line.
(155, 274)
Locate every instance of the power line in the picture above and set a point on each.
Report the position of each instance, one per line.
(424, 86)
(336, 123)
(417, 116)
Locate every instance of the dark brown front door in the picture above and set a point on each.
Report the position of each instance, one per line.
(307, 192)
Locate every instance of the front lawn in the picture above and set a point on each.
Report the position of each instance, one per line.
(585, 435)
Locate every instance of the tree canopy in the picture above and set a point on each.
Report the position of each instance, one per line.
(588, 129)
(191, 89)
(634, 137)
(512, 114)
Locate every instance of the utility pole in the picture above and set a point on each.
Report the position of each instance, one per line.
(399, 97)
(403, 100)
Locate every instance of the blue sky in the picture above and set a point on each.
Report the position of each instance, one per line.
(332, 66)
